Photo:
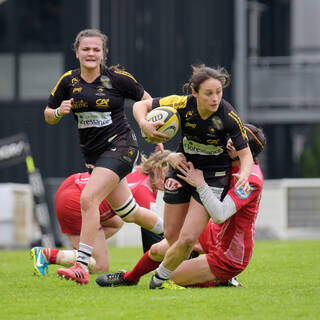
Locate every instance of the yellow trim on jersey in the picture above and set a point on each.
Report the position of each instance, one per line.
(236, 118)
(63, 76)
(125, 73)
(174, 101)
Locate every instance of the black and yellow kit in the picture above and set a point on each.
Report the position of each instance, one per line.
(98, 108)
(203, 142)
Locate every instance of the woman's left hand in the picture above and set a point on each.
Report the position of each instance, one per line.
(192, 176)
(242, 182)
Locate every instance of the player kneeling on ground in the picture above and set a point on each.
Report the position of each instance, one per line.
(144, 184)
(227, 240)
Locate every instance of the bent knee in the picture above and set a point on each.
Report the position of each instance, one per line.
(171, 235)
(187, 241)
(156, 252)
(88, 203)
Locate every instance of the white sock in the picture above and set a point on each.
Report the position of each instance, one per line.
(83, 255)
(68, 257)
(162, 273)
(158, 227)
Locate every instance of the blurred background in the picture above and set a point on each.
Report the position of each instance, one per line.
(270, 47)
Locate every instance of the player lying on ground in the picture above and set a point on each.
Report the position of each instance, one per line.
(144, 183)
(227, 240)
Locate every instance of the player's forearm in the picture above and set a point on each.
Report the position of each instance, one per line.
(146, 96)
(218, 211)
(51, 116)
(246, 162)
(140, 110)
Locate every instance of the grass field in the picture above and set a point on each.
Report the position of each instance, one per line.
(282, 282)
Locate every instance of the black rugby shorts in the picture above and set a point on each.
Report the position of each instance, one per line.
(178, 191)
(119, 157)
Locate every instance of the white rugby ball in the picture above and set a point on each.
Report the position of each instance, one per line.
(171, 120)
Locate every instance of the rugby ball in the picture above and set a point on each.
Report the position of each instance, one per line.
(171, 120)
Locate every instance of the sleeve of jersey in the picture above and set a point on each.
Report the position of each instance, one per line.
(238, 133)
(218, 211)
(128, 85)
(242, 198)
(58, 94)
(143, 197)
(174, 101)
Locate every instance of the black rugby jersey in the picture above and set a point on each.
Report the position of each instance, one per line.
(98, 107)
(204, 141)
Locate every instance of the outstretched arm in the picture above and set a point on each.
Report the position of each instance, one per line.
(218, 210)
(246, 164)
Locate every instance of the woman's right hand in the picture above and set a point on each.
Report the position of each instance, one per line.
(177, 160)
(65, 107)
(149, 128)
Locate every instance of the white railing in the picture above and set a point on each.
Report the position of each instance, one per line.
(290, 209)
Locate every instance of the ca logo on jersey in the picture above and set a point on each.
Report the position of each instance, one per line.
(102, 103)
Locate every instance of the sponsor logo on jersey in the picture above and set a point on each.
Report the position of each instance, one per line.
(193, 147)
(190, 137)
(212, 130)
(106, 82)
(213, 141)
(102, 103)
(243, 194)
(189, 115)
(131, 152)
(79, 104)
(220, 174)
(77, 90)
(75, 81)
(172, 184)
(174, 101)
(93, 119)
(100, 92)
(191, 125)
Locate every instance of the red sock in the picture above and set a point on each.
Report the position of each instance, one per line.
(202, 285)
(51, 254)
(144, 265)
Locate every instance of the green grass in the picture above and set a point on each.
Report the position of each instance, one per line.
(281, 282)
